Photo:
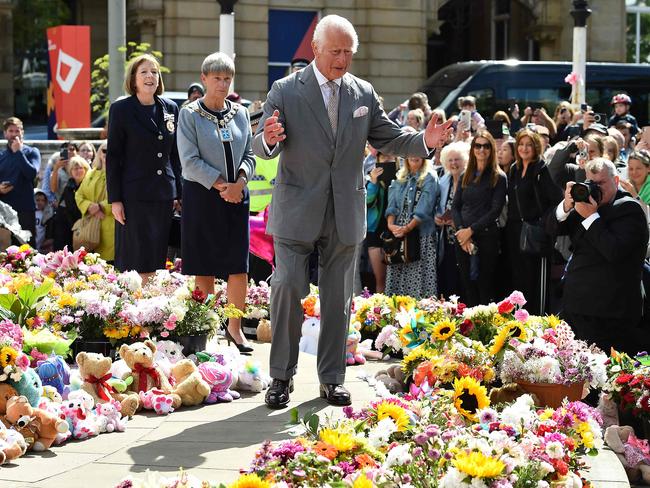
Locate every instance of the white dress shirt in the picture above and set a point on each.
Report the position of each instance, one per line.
(562, 216)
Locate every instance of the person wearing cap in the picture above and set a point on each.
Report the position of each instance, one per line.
(297, 64)
(621, 104)
(194, 92)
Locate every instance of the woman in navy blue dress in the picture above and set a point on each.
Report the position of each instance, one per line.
(142, 169)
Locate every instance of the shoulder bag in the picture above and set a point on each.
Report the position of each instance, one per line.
(86, 233)
(533, 239)
(402, 250)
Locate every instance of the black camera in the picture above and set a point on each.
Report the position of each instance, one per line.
(580, 192)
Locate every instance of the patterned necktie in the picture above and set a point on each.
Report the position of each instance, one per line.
(333, 105)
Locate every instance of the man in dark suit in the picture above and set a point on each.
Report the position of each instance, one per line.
(602, 290)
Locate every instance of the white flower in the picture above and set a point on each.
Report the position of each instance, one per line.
(453, 479)
(398, 455)
(554, 450)
(3, 377)
(478, 483)
(8, 369)
(380, 434)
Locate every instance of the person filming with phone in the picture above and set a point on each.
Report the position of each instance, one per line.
(609, 235)
(19, 164)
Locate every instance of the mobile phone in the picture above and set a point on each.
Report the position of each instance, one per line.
(466, 118)
(7, 182)
(390, 172)
(584, 107)
(495, 128)
(600, 118)
(64, 153)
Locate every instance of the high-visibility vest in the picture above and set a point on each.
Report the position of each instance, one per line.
(261, 185)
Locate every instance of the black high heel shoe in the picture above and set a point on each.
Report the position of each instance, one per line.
(243, 348)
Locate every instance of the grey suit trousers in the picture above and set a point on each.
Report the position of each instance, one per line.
(290, 284)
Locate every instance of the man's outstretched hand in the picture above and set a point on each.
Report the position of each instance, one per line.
(273, 130)
(435, 135)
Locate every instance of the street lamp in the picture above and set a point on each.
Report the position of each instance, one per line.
(580, 14)
(227, 27)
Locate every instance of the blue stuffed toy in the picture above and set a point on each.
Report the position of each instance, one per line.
(54, 371)
(30, 386)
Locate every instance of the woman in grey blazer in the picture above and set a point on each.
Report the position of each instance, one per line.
(214, 145)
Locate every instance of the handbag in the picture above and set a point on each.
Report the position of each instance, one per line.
(86, 233)
(402, 250)
(533, 238)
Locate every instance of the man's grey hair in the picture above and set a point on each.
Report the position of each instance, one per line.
(218, 63)
(597, 165)
(335, 22)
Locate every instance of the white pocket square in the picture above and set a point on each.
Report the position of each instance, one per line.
(360, 112)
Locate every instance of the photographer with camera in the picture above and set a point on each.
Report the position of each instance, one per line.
(609, 234)
(567, 164)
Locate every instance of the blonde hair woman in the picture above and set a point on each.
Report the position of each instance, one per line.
(68, 211)
(92, 199)
(411, 202)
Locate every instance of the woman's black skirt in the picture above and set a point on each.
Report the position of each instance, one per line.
(141, 244)
(214, 233)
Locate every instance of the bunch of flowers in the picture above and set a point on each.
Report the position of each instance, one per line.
(17, 259)
(201, 316)
(553, 355)
(375, 311)
(258, 300)
(311, 303)
(13, 363)
(628, 382)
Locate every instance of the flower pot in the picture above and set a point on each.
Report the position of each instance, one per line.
(264, 333)
(192, 344)
(551, 394)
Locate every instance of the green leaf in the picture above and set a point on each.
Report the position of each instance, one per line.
(294, 416)
(7, 300)
(313, 423)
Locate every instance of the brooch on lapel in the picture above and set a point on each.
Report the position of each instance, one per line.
(169, 122)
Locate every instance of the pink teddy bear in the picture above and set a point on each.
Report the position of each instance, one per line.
(110, 416)
(158, 401)
(78, 412)
(353, 356)
(220, 379)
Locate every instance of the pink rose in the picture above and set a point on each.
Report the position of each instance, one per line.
(521, 315)
(517, 298)
(22, 361)
(164, 333)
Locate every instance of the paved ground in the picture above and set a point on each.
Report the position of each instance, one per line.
(211, 441)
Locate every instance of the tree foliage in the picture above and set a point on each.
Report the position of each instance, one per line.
(99, 76)
(644, 44)
(32, 17)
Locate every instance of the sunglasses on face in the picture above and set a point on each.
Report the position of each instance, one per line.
(486, 146)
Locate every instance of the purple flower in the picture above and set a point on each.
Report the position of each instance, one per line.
(433, 430)
(347, 468)
(421, 439)
(434, 454)
(417, 452)
(300, 473)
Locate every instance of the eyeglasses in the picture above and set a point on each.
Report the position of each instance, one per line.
(486, 146)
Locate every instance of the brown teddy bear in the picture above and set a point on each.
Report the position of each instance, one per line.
(37, 426)
(509, 393)
(6, 392)
(190, 385)
(393, 378)
(139, 357)
(95, 371)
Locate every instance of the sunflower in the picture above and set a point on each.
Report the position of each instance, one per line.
(323, 449)
(443, 330)
(341, 441)
(469, 396)
(66, 299)
(405, 302)
(478, 465)
(362, 481)
(553, 321)
(415, 357)
(8, 356)
(395, 412)
(250, 481)
(512, 330)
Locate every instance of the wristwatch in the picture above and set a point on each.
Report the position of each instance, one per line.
(243, 178)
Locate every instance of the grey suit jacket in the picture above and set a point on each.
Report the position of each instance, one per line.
(312, 164)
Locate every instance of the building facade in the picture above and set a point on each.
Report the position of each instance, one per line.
(401, 42)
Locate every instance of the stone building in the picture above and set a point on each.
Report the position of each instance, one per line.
(402, 42)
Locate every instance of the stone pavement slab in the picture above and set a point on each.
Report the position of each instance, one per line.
(212, 441)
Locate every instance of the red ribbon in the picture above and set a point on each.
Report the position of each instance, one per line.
(104, 390)
(143, 371)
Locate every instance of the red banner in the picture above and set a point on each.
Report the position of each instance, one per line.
(69, 50)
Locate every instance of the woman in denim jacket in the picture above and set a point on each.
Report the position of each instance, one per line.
(411, 201)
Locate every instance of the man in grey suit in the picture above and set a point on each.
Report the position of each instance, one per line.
(318, 119)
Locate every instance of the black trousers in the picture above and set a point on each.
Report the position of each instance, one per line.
(482, 290)
(621, 333)
(27, 221)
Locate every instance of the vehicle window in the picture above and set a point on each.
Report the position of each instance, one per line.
(485, 104)
(438, 86)
(548, 97)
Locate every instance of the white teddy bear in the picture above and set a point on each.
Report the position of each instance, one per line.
(310, 333)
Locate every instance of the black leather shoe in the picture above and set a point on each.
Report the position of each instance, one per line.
(335, 395)
(277, 396)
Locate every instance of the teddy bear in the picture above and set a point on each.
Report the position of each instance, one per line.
(157, 400)
(110, 417)
(251, 377)
(41, 427)
(12, 444)
(78, 412)
(352, 355)
(190, 386)
(509, 393)
(55, 408)
(167, 354)
(54, 371)
(633, 453)
(310, 334)
(6, 392)
(608, 410)
(95, 372)
(220, 379)
(29, 386)
(393, 378)
(139, 357)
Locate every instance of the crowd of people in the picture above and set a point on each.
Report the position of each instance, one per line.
(470, 205)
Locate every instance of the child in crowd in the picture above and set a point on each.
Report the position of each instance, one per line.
(44, 214)
(469, 103)
(621, 103)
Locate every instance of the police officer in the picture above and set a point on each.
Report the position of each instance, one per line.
(142, 169)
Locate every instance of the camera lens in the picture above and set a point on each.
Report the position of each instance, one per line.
(580, 192)
(597, 117)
